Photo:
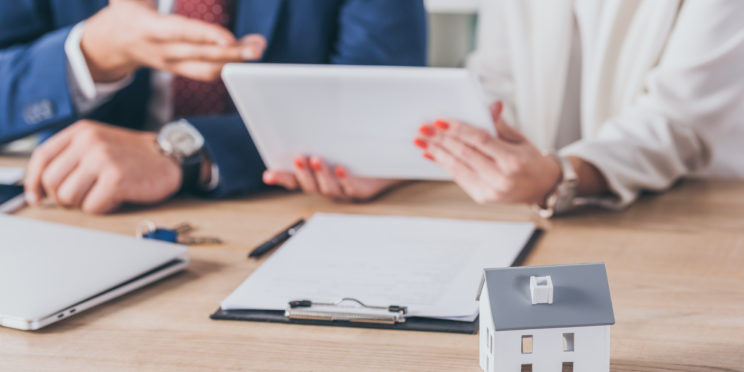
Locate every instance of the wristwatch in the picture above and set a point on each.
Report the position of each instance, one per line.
(562, 197)
(184, 144)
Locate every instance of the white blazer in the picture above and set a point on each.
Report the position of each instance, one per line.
(661, 83)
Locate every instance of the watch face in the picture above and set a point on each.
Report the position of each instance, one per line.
(182, 139)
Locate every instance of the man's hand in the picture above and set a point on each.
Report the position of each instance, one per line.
(312, 175)
(507, 168)
(97, 167)
(129, 34)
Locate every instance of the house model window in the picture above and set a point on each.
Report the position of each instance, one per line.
(527, 344)
(568, 342)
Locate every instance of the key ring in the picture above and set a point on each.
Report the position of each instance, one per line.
(145, 227)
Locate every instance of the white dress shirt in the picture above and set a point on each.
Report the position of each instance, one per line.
(661, 89)
(88, 95)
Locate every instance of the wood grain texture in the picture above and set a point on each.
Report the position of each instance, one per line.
(675, 263)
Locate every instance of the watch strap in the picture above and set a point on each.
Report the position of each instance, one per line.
(562, 197)
(191, 169)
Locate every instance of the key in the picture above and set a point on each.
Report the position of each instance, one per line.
(184, 228)
(178, 234)
(198, 240)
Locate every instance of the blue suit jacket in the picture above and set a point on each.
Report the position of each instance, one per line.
(34, 93)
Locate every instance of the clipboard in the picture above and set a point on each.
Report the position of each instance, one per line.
(391, 317)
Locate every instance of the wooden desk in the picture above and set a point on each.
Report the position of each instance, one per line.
(675, 263)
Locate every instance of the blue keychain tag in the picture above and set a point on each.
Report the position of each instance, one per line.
(179, 234)
(165, 235)
(148, 230)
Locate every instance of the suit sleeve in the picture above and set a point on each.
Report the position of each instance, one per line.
(381, 32)
(34, 94)
(230, 147)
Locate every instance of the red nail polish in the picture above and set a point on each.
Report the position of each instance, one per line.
(316, 165)
(340, 172)
(428, 156)
(421, 143)
(441, 124)
(299, 164)
(427, 130)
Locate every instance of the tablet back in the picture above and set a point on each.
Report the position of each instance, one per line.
(362, 117)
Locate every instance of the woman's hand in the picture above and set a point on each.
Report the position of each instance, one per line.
(314, 176)
(507, 168)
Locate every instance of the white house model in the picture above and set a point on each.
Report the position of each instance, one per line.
(546, 319)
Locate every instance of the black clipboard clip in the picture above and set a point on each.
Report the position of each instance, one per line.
(338, 311)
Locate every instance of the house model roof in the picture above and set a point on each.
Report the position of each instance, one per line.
(581, 297)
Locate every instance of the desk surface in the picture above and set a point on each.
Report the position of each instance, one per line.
(675, 263)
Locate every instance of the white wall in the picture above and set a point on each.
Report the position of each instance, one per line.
(451, 31)
(452, 6)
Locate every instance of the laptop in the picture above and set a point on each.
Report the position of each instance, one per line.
(50, 272)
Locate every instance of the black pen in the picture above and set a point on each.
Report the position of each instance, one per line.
(276, 240)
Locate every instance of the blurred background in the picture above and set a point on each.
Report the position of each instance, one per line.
(452, 26)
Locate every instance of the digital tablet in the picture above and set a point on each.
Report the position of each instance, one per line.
(362, 117)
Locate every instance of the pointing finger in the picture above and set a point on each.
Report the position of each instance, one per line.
(170, 28)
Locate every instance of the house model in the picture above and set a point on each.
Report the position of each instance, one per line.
(546, 319)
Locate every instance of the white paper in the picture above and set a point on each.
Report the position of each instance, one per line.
(11, 175)
(432, 266)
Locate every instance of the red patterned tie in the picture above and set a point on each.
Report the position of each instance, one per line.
(195, 98)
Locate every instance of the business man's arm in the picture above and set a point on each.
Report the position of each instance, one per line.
(381, 32)
(33, 87)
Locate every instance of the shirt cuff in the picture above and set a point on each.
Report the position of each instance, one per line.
(86, 93)
(214, 181)
(620, 195)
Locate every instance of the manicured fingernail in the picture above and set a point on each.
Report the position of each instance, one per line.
(31, 197)
(340, 172)
(441, 124)
(268, 179)
(421, 143)
(427, 130)
(316, 165)
(299, 164)
(429, 156)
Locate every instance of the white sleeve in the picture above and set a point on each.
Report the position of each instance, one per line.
(491, 59)
(670, 132)
(86, 94)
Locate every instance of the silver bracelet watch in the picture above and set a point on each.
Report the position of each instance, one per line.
(562, 197)
(184, 144)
